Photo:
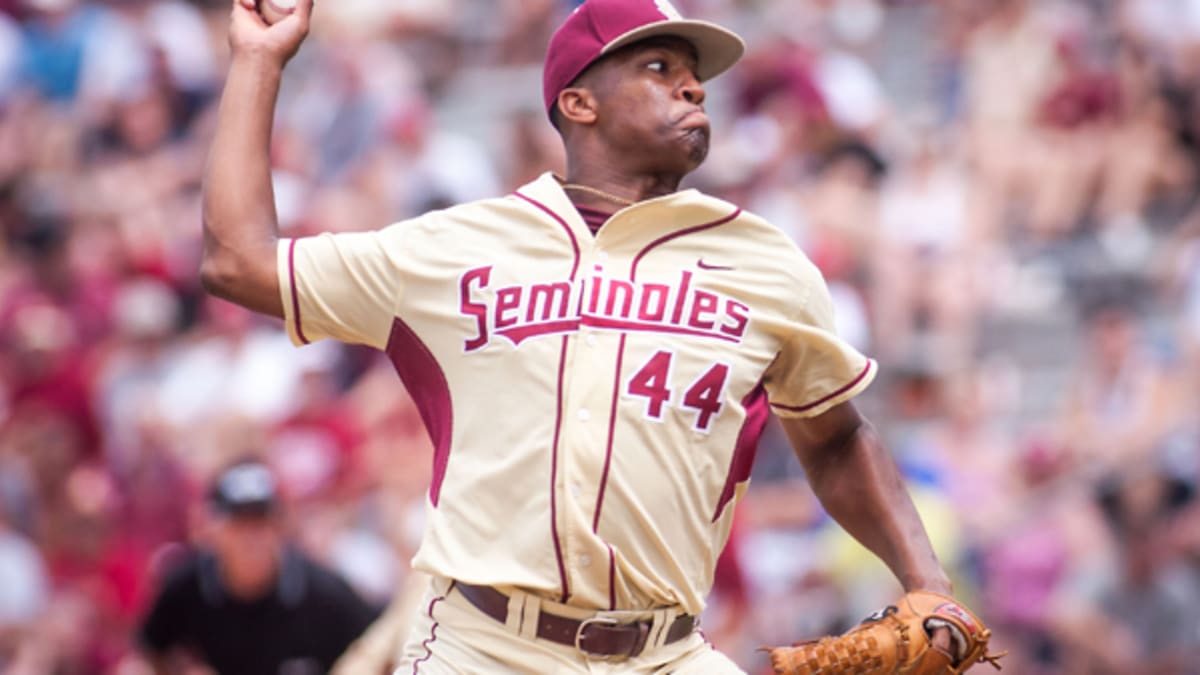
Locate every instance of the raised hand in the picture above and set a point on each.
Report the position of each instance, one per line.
(250, 35)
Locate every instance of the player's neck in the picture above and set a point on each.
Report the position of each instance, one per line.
(609, 190)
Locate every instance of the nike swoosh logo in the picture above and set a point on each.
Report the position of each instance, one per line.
(705, 266)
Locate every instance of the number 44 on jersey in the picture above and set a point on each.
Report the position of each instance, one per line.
(653, 382)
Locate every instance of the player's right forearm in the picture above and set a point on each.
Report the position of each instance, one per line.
(240, 224)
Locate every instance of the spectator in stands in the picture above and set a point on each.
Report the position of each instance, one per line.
(24, 588)
(1122, 402)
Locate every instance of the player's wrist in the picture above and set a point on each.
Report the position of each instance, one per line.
(257, 58)
(935, 582)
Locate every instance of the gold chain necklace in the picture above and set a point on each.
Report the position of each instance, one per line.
(598, 193)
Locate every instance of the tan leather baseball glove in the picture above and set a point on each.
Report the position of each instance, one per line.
(895, 641)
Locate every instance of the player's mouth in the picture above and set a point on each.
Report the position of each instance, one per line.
(693, 119)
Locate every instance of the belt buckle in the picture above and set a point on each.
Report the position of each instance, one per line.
(602, 621)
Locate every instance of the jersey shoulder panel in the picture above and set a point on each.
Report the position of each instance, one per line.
(764, 235)
(775, 255)
(752, 231)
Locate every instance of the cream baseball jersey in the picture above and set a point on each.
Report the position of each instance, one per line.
(594, 401)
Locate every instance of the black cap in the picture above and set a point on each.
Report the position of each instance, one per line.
(245, 489)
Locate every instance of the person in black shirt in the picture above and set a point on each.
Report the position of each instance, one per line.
(249, 601)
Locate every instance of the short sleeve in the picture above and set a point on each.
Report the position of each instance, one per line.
(815, 369)
(342, 286)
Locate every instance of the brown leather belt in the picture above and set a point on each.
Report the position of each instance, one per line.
(598, 636)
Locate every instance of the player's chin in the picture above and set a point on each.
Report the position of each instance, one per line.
(694, 145)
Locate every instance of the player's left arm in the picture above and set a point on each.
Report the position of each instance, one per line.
(857, 481)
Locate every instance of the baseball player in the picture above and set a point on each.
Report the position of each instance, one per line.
(594, 356)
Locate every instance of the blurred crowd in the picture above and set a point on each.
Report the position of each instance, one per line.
(1002, 195)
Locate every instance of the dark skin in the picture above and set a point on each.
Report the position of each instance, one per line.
(633, 126)
(634, 123)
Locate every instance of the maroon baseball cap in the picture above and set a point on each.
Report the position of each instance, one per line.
(598, 27)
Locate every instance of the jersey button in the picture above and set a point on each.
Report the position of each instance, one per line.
(584, 415)
(590, 340)
(603, 255)
(585, 560)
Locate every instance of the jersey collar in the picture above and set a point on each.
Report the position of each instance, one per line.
(676, 211)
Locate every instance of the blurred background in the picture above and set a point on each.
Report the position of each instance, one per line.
(1001, 193)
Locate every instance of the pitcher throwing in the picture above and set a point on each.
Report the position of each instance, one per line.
(594, 357)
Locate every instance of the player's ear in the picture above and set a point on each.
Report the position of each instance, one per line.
(578, 105)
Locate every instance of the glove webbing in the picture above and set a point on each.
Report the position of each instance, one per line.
(860, 653)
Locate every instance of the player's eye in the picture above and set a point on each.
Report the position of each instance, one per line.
(657, 65)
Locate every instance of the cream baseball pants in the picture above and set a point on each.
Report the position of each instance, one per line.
(451, 636)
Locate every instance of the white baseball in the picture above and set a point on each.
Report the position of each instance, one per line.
(273, 11)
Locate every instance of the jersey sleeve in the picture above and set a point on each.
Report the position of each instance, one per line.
(342, 286)
(815, 369)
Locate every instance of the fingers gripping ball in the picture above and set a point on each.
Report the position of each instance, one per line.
(895, 641)
(274, 11)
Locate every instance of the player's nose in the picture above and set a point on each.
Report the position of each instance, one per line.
(691, 89)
